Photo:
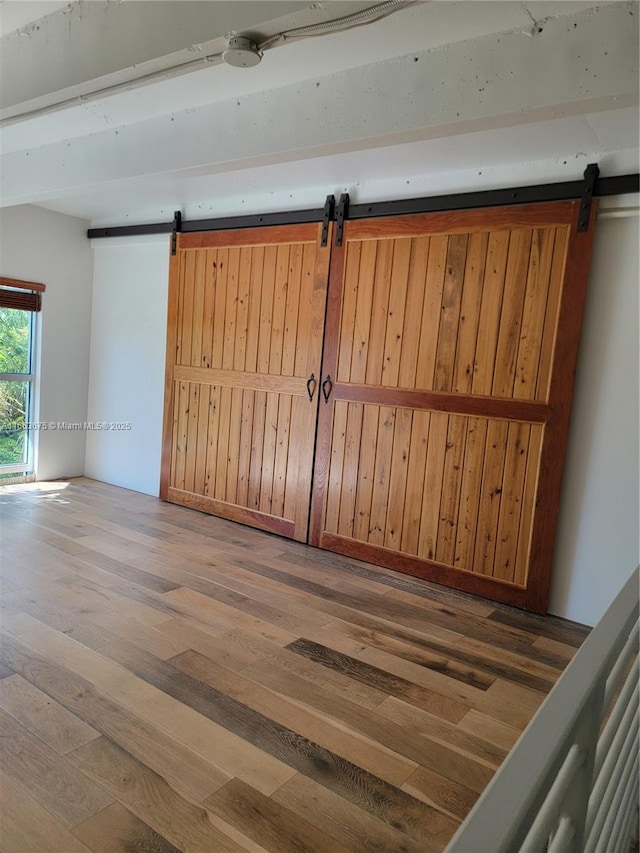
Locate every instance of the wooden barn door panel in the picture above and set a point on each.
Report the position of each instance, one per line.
(451, 344)
(246, 317)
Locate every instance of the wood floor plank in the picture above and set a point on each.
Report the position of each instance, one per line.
(170, 680)
(454, 660)
(49, 777)
(27, 827)
(147, 795)
(265, 820)
(487, 727)
(368, 791)
(413, 742)
(115, 829)
(408, 614)
(348, 744)
(221, 648)
(357, 830)
(70, 624)
(184, 769)
(445, 707)
(450, 797)
(337, 682)
(43, 716)
(230, 753)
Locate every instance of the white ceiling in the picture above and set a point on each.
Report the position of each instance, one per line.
(576, 106)
(19, 13)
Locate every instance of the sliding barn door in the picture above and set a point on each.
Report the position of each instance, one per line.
(450, 350)
(246, 318)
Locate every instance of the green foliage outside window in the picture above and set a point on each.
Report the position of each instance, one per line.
(15, 328)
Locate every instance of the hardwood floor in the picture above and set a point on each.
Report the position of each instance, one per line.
(173, 681)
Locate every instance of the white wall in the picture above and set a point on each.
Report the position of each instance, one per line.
(597, 544)
(128, 331)
(39, 245)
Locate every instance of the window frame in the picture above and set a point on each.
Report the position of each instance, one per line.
(26, 467)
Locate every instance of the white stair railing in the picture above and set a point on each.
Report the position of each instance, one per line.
(571, 781)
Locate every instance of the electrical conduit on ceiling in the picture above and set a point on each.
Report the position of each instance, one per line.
(357, 19)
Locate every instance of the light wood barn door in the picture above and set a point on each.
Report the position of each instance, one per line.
(246, 317)
(451, 345)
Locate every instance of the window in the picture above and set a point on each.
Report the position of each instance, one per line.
(17, 325)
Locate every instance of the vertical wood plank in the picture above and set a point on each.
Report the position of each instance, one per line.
(180, 259)
(366, 469)
(200, 469)
(281, 287)
(488, 324)
(336, 464)
(231, 309)
(244, 453)
(491, 491)
(535, 303)
(266, 308)
(556, 285)
(187, 308)
(174, 435)
(416, 493)
(193, 410)
(470, 312)
(292, 309)
(436, 448)
(379, 312)
(349, 485)
(269, 452)
(292, 498)
(528, 503)
(212, 440)
(418, 266)
(452, 481)
(282, 455)
(511, 314)
(394, 337)
(222, 457)
(305, 311)
(470, 493)
(208, 307)
(511, 501)
(198, 308)
(242, 308)
(431, 310)
(219, 270)
(382, 471)
(235, 430)
(366, 278)
(257, 449)
(450, 312)
(253, 323)
(181, 434)
(349, 305)
(398, 479)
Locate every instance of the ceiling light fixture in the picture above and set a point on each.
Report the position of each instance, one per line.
(242, 52)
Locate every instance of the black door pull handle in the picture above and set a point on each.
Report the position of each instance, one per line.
(327, 386)
(311, 386)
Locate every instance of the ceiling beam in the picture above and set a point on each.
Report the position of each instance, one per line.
(585, 63)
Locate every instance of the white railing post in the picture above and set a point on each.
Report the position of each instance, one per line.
(576, 803)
